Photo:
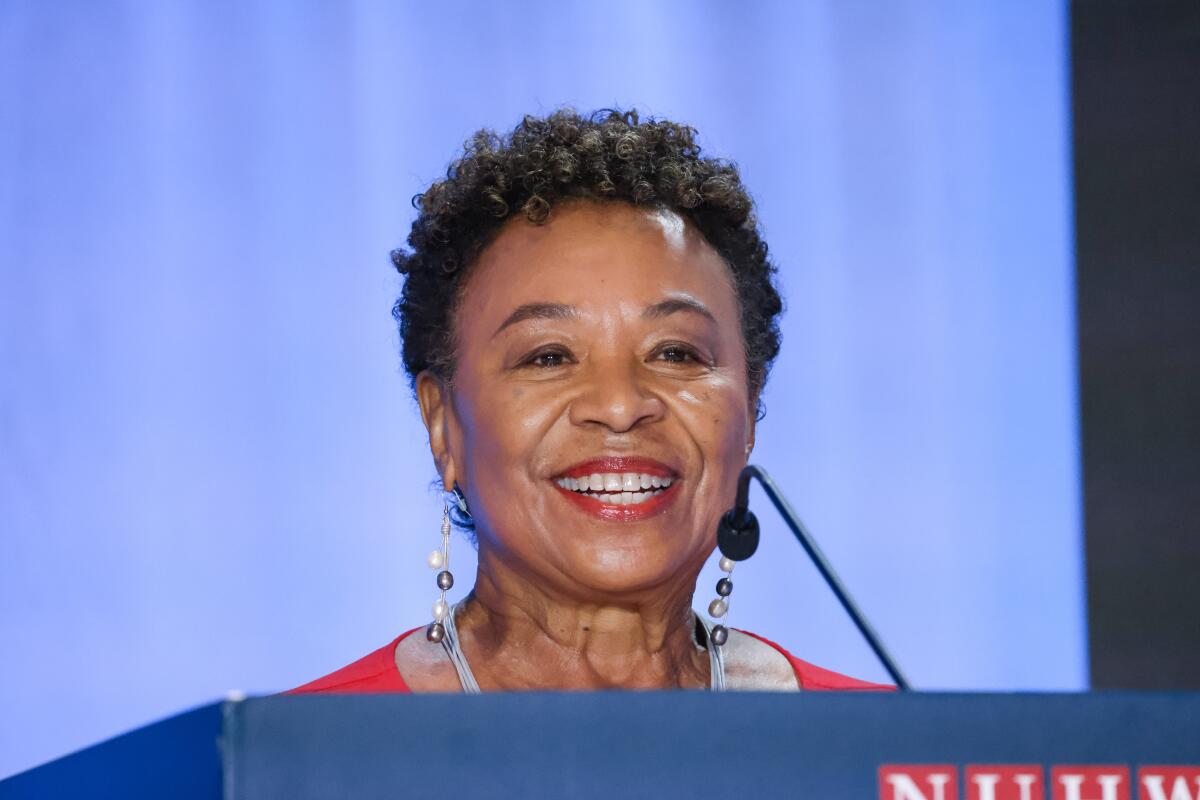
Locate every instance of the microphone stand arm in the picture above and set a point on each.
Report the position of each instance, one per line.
(818, 558)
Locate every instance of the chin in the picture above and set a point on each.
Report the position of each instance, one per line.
(623, 570)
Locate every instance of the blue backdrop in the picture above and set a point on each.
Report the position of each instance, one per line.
(211, 473)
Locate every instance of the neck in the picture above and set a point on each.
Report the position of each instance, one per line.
(519, 634)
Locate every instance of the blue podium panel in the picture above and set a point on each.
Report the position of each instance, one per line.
(654, 745)
(177, 758)
(633, 745)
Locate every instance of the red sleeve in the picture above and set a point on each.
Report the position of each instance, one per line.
(372, 673)
(814, 678)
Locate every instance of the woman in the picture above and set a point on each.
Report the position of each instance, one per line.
(588, 319)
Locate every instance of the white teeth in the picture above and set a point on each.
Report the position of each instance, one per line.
(625, 498)
(617, 488)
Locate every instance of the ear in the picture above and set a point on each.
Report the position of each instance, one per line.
(437, 412)
(752, 427)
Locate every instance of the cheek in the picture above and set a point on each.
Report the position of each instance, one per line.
(493, 447)
(717, 417)
(502, 431)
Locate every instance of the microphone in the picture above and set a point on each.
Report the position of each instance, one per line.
(737, 539)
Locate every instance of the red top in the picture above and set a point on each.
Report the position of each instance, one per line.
(377, 673)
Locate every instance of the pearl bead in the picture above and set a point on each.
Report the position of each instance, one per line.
(726, 564)
(436, 560)
(717, 608)
(435, 632)
(724, 587)
(445, 580)
(719, 635)
(441, 610)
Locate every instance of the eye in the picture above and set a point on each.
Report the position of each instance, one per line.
(676, 353)
(547, 358)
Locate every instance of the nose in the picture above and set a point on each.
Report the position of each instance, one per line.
(616, 397)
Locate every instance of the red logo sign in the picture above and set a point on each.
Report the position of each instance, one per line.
(1005, 782)
(1168, 783)
(1027, 782)
(1089, 782)
(918, 782)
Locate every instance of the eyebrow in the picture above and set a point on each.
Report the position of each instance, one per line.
(537, 311)
(664, 308)
(675, 305)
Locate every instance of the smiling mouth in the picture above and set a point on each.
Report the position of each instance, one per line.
(617, 488)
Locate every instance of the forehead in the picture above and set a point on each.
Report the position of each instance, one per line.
(599, 257)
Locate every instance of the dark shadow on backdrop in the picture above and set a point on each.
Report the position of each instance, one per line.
(1136, 95)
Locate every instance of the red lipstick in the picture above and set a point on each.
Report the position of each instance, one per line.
(619, 464)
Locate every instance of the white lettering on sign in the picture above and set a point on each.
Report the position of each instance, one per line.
(1073, 787)
(905, 788)
(985, 785)
(1025, 783)
(1155, 789)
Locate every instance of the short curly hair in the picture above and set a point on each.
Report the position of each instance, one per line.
(606, 156)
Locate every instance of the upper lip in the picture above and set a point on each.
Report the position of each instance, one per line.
(606, 464)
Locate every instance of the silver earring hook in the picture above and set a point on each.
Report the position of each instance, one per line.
(460, 501)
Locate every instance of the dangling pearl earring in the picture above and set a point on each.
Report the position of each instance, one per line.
(440, 560)
(718, 608)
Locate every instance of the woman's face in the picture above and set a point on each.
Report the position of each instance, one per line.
(600, 411)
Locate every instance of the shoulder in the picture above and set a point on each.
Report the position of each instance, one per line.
(771, 660)
(374, 672)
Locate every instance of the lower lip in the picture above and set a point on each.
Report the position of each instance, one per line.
(614, 513)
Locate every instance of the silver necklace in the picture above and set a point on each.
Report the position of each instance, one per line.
(716, 655)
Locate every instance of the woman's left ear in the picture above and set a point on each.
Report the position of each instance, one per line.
(753, 426)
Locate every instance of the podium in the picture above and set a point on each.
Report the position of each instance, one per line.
(631, 745)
